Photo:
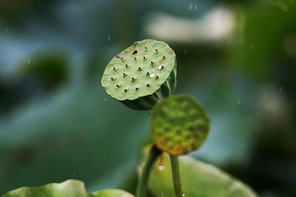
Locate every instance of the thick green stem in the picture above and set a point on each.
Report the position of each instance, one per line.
(144, 176)
(176, 176)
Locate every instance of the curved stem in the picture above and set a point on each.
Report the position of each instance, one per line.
(176, 176)
(144, 176)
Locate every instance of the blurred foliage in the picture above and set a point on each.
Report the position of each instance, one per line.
(14, 11)
(49, 70)
(267, 31)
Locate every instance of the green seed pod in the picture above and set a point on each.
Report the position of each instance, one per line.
(179, 124)
(141, 74)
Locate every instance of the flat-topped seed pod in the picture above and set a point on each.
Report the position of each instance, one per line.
(179, 124)
(141, 74)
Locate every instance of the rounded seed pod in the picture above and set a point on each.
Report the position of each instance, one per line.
(141, 74)
(179, 124)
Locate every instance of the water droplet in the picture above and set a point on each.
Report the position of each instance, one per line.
(109, 37)
(160, 167)
(76, 161)
(239, 101)
(185, 51)
(281, 88)
(195, 7)
(160, 67)
(105, 99)
(152, 74)
(74, 174)
(183, 194)
(29, 60)
(7, 29)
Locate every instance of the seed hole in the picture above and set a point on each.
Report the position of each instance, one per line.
(135, 52)
(148, 85)
(160, 67)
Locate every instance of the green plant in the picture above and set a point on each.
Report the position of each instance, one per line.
(69, 188)
(143, 77)
(179, 125)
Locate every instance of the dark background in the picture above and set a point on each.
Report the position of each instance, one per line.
(238, 58)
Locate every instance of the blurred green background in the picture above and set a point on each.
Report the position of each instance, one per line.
(238, 58)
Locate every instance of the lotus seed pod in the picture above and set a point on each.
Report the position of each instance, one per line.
(141, 74)
(179, 124)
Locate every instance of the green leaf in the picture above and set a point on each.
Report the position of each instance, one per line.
(69, 188)
(198, 180)
(110, 193)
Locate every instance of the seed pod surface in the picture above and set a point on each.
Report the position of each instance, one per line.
(141, 74)
(179, 124)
